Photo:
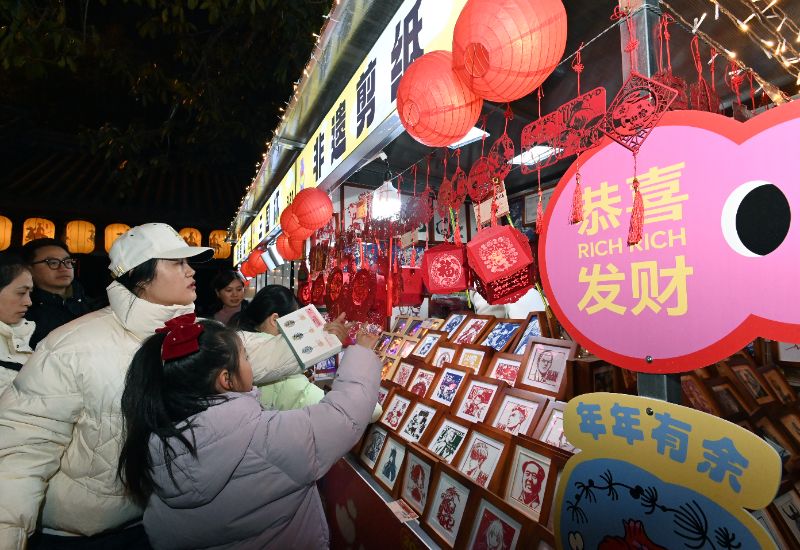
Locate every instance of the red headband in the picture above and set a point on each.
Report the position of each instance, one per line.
(182, 337)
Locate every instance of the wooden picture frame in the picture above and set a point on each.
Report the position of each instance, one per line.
(778, 440)
(414, 327)
(786, 353)
(409, 344)
(483, 456)
(400, 324)
(439, 223)
(788, 507)
(388, 367)
(404, 371)
(749, 379)
(447, 505)
(397, 404)
(517, 412)
(777, 382)
(502, 333)
(550, 429)
(605, 378)
(395, 346)
(534, 327)
(477, 397)
(492, 520)
(453, 323)
(473, 357)
(383, 342)
(472, 330)
(445, 353)
(389, 465)
(731, 403)
(423, 414)
(417, 475)
(384, 389)
(433, 323)
(545, 366)
(505, 367)
(790, 421)
(427, 345)
(447, 437)
(448, 384)
(421, 380)
(372, 445)
(697, 395)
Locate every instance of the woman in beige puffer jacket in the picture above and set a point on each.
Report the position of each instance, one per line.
(15, 332)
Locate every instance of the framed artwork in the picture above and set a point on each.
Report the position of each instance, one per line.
(447, 438)
(427, 344)
(495, 524)
(502, 333)
(403, 372)
(446, 506)
(764, 517)
(728, 398)
(791, 422)
(473, 357)
(477, 398)
(395, 410)
(421, 381)
(408, 346)
(482, 457)
(416, 478)
(383, 391)
(779, 385)
(698, 395)
(447, 384)
(535, 327)
(372, 446)
(517, 412)
(766, 430)
(433, 323)
(788, 506)
(445, 353)
(442, 227)
(630, 380)
(753, 382)
(388, 367)
(787, 352)
(550, 429)
(530, 479)
(545, 366)
(531, 205)
(472, 330)
(383, 342)
(400, 324)
(390, 462)
(423, 415)
(394, 347)
(505, 367)
(453, 323)
(414, 326)
(604, 378)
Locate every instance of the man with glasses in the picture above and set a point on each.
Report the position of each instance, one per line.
(57, 298)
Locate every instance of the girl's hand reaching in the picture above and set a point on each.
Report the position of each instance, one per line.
(338, 328)
(367, 340)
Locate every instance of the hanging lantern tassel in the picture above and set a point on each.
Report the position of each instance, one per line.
(637, 216)
(576, 216)
(539, 214)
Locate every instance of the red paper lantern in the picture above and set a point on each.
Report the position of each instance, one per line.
(444, 269)
(291, 225)
(285, 249)
(504, 49)
(246, 270)
(435, 107)
(313, 208)
(297, 245)
(256, 263)
(501, 260)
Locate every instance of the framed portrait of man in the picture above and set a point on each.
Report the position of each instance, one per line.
(545, 366)
(477, 398)
(517, 412)
(530, 480)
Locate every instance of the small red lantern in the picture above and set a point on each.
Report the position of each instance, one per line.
(256, 263)
(246, 270)
(444, 269)
(504, 49)
(285, 249)
(435, 107)
(313, 208)
(291, 225)
(410, 287)
(501, 260)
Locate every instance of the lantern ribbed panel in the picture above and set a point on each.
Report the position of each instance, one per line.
(80, 237)
(504, 49)
(291, 225)
(285, 248)
(435, 107)
(313, 208)
(256, 263)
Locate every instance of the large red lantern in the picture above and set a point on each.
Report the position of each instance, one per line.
(444, 269)
(246, 270)
(313, 208)
(501, 260)
(435, 107)
(256, 263)
(286, 251)
(290, 224)
(504, 49)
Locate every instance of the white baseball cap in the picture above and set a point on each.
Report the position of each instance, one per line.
(151, 241)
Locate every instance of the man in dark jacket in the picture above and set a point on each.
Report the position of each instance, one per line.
(57, 297)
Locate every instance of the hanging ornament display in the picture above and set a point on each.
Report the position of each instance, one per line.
(410, 287)
(664, 74)
(479, 182)
(701, 95)
(291, 225)
(313, 208)
(501, 262)
(504, 49)
(304, 293)
(502, 151)
(434, 106)
(362, 294)
(444, 269)
(318, 290)
(333, 291)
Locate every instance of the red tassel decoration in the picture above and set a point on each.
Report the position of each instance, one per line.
(576, 216)
(413, 256)
(456, 230)
(539, 214)
(637, 216)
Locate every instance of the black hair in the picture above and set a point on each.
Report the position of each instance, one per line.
(224, 278)
(11, 265)
(28, 251)
(139, 277)
(270, 299)
(159, 396)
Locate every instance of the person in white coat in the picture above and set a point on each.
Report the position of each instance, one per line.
(60, 420)
(15, 332)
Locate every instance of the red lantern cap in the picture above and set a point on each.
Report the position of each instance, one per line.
(497, 252)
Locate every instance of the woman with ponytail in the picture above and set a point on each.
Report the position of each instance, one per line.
(214, 469)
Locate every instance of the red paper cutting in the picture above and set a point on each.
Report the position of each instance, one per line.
(444, 269)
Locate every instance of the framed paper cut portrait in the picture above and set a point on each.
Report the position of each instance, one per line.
(697, 395)
(788, 506)
(604, 378)
(388, 367)
(535, 327)
(550, 429)
(384, 389)
(423, 415)
(447, 503)
(473, 358)
(400, 324)
(517, 412)
(372, 446)
(728, 398)
(383, 342)
(403, 372)
(408, 346)
(787, 352)
(529, 479)
(778, 383)
(421, 381)
(416, 479)
(427, 345)
(414, 326)
(390, 463)
(453, 323)
(495, 524)
(445, 353)
(477, 398)
(791, 422)
(545, 366)
(775, 438)
(446, 386)
(394, 347)
(482, 457)
(754, 383)
(472, 330)
(505, 367)
(397, 404)
(447, 438)
(433, 323)
(501, 334)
